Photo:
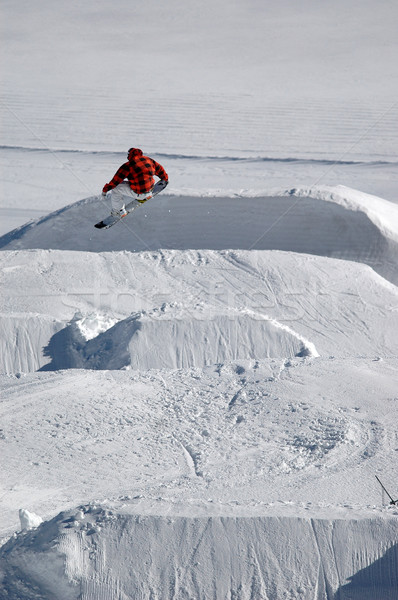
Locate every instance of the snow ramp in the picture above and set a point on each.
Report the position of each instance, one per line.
(334, 222)
(174, 338)
(177, 309)
(94, 552)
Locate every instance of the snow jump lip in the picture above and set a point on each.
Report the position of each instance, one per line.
(332, 222)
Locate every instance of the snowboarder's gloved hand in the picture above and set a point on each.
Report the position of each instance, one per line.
(103, 194)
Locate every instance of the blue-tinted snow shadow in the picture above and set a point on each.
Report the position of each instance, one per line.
(378, 581)
(287, 223)
(67, 349)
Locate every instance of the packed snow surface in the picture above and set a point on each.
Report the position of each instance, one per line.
(249, 432)
(103, 549)
(191, 308)
(229, 406)
(196, 402)
(227, 457)
(29, 520)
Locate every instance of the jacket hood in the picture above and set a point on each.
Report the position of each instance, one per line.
(135, 152)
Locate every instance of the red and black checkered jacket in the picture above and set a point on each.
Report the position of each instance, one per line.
(139, 171)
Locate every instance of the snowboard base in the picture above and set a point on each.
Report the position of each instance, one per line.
(112, 220)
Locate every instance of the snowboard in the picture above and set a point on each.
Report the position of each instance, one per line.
(112, 220)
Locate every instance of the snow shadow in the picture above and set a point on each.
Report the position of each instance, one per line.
(68, 349)
(162, 340)
(288, 223)
(378, 581)
(215, 556)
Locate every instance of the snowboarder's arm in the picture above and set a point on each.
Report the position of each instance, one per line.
(159, 171)
(118, 177)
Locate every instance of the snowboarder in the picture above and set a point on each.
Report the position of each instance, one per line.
(139, 172)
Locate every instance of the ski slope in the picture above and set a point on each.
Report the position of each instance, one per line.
(238, 386)
(218, 477)
(196, 402)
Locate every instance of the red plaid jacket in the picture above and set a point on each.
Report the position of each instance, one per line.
(139, 171)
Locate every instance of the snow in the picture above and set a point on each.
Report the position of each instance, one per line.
(29, 520)
(233, 441)
(104, 550)
(90, 326)
(339, 223)
(241, 433)
(220, 305)
(196, 402)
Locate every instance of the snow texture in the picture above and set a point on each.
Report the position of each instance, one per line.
(94, 551)
(338, 223)
(29, 520)
(196, 402)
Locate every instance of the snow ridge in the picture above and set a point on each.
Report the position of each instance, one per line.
(194, 555)
(116, 310)
(175, 337)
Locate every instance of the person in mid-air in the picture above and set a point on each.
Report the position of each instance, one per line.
(139, 172)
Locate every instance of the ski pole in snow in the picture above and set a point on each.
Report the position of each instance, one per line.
(392, 501)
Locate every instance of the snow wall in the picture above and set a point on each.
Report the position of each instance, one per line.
(97, 554)
(187, 340)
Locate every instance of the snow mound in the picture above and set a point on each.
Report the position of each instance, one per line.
(92, 325)
(173, 337)
(207, 557)
(29, 520)
(334, 222)
(175, 308)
